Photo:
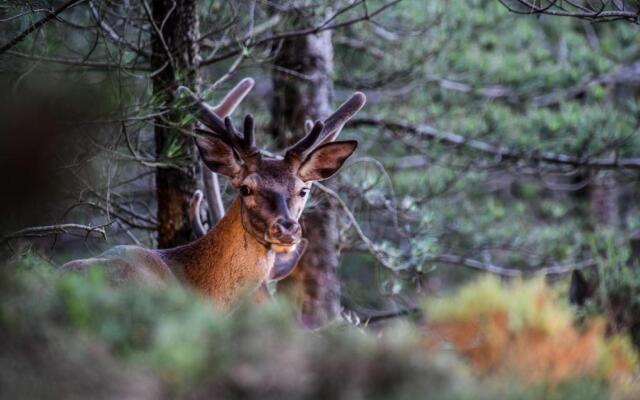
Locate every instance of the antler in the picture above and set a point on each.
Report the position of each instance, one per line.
(328, 131)
(300, 149)
(334, 124)
(243, 145)
(204, 114)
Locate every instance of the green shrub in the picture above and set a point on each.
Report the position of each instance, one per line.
(87, 339)
(176, 340)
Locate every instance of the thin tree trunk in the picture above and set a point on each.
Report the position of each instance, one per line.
(604, 205)
(176, 52)
(303, 90)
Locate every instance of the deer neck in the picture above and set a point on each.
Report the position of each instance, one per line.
(225, 262)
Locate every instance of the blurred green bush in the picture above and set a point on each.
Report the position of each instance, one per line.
(72, 336)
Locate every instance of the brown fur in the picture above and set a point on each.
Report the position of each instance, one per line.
(222, 264)
(239, 253)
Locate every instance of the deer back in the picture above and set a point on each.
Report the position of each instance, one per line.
(123, 264)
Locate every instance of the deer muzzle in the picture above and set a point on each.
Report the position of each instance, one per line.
(285, 231)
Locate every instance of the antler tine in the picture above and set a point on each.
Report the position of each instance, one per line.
(204, 113)
(249, 133)
(243, 145)
(299, 149)
(234, 135)
(344, 113)
(326, 132)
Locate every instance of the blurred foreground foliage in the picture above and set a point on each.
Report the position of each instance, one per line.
(72, 337)
(523, 330)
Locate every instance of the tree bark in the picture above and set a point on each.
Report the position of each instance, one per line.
(176, 54)
(303, 90)
(604, 205)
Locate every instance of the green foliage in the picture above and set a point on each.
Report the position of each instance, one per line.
(138, 324)
(523, 330)
(614, 286)
(447, 72)
(434, 63)
(618, 274)
(179, 341)
(195, 350)
(521, 302)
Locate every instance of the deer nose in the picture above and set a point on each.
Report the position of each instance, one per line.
(285, 230)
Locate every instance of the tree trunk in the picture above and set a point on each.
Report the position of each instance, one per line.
(604, 206)
(176, 53)
(303, 90)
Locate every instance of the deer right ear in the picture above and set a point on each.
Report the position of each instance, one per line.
(218, 156)
(326, 160)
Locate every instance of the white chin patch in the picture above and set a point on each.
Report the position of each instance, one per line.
(279, 248)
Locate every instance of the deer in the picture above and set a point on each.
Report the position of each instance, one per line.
(259, 238)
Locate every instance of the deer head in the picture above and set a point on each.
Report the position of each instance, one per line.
(273, 190)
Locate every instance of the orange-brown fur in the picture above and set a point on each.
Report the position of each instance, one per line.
(224, 263)
(239, 253)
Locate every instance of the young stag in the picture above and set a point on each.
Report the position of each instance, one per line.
(259, 237)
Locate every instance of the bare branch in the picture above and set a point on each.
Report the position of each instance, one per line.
(371, 247)
(508, 272)
(51, 230)
(624, 74)
(303, 32)
(605, 11)
(364, 318)
(113, 35)
(82, 63)
(38, 25)
(503, 153)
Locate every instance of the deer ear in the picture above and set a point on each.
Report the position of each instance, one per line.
(218, 156)
(326, 160)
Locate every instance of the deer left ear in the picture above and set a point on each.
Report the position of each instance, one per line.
(326, 160)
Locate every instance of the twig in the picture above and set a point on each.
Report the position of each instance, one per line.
(370, 245)
(42, 231)
(379, 316)
(303, 32)
(508, 272)
(77, 62)
(601, 15)
(113, 35)
(38, 24)
(158, 33)
(365, 318)
(265, 26)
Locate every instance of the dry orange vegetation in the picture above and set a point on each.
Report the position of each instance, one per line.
(525, 329)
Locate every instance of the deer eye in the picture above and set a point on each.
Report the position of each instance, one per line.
(304, 192)
(245, 190)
